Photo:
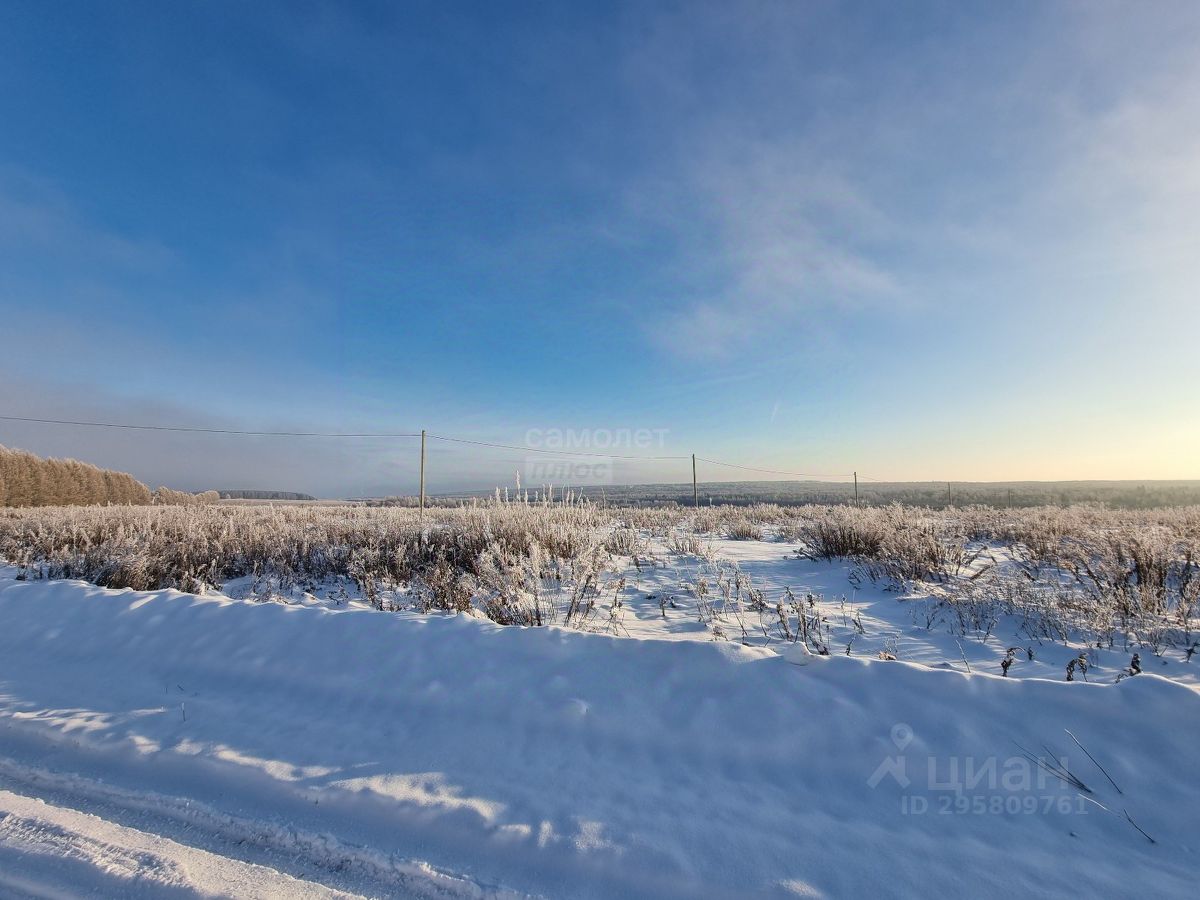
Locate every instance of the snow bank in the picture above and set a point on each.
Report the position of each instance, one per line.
(567, 764)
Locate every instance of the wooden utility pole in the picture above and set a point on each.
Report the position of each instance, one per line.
(695, 490)
(949, 499)
(422, 472)
(856, 489)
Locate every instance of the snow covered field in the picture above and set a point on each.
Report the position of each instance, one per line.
(164, 744)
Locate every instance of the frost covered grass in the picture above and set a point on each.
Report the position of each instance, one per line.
(444, 560)
(1102, 577)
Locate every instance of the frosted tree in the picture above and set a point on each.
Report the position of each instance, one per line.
(27, 480)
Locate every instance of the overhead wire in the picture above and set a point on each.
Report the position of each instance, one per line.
(196, 430)
(190, 429)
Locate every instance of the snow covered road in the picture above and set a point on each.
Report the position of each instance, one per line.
(58, 852)
(63, 834)
(396, 755)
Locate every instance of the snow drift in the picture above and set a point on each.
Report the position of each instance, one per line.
(557, 763)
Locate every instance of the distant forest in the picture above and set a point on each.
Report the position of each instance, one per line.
(264, 495)
(1113, 494)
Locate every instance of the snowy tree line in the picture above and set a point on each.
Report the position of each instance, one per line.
(29, 480)
(164, 496)
(263, 495)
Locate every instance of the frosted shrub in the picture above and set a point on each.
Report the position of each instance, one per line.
(684, 543)
(745, 530)
(623, 541)
(842, 532)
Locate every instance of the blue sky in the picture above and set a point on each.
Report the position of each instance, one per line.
(920, 240)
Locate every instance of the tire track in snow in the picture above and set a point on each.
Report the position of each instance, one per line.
(67, 830)
(54, 851)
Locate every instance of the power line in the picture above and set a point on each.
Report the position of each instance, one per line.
(213, 430)
(402, 434)
(717, 462)
(545, 450)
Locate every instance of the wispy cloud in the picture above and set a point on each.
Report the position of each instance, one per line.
(764, 234)
(1069, 156)
(37, 216)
